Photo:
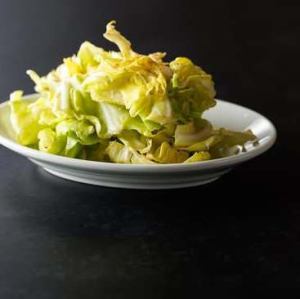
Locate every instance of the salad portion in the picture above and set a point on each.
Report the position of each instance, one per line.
(123, 107)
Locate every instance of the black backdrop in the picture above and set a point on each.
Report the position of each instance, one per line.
(239, 233)
(250, 47)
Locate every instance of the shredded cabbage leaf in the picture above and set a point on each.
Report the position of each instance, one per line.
(123, 107)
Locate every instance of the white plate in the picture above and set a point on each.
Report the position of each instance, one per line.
(138, 176)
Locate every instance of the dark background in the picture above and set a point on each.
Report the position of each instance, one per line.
(233, 238)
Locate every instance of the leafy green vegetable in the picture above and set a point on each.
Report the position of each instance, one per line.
(192, 132)
(192, 90)
(50, 142)
(198, 156)
(165, 153)
(123, 107)
(24, 119)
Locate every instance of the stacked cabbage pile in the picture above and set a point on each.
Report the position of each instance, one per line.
(123, 107)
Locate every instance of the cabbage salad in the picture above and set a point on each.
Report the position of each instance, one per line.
(123, 107)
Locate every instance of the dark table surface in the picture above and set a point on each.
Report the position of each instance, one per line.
(61, 239)
(232, 238)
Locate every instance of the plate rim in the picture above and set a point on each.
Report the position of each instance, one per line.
(112, 167)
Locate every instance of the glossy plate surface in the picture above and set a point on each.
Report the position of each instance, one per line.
(138, 176)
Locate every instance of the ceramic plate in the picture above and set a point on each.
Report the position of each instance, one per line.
(139, 176)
